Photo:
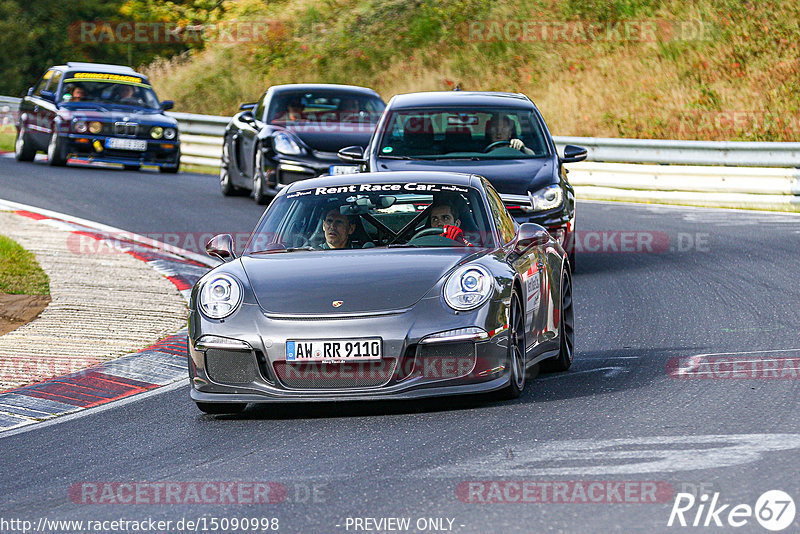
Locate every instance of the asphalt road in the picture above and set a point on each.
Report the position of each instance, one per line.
(718, 282)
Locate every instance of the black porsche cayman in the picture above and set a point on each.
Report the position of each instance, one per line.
(376, 286)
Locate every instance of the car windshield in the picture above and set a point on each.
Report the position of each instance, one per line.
(374, 216)
(107, 93)
(324, 106)
(485, 133)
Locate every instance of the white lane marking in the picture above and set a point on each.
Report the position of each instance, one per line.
(656, 454)
(37, 425)
(656, 207)
(609, 372)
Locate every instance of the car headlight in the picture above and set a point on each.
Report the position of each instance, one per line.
(220, 295)
(548, 198)
(95, 127)
(156, 132)
(79, 126)
(284, 144)
(468, 287)
(170, 133)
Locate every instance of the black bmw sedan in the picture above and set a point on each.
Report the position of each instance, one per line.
(90, 112)
(292, 133)
(501, 136)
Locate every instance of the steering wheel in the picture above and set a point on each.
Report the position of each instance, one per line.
(497, 144)
(426, 231)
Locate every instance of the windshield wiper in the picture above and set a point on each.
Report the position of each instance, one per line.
(396, 157)
(404, 245)
(283, 249)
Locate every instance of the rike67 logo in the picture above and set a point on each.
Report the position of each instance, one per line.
(774, 510)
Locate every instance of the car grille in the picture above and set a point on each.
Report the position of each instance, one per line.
(127, 129)
(231, 367)
(343, 375)
(446, 360)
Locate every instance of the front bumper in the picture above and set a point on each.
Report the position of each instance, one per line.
(293, 168)
(411, 367)
(91, 148)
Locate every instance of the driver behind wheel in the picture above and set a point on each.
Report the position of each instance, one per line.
(501, 128)
(444, 216)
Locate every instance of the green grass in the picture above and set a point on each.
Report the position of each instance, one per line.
(20, 274)
(7, 140)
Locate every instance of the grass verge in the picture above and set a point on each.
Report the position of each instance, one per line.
(20, 273)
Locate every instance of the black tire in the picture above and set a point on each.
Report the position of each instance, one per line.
(55, 151)
(226, 187)
(260, 193)
(169, 170)
(23, 150)
(566, 330)
(516, 351)
(132, 167)
(571, 259)
(219, 408)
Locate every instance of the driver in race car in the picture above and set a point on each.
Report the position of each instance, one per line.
(444, 216)
(501, 128)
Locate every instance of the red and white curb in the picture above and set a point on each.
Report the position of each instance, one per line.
(158, 365)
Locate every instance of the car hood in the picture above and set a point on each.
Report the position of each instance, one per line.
(365, 280)
(120, 115)
(513, 177)
(332, 137)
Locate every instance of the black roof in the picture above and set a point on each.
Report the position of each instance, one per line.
(436, 177)
(99, 67)
(432, 99)
(323, 87)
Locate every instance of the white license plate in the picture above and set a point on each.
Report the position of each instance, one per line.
(342, 169)
(334, 350)
(126, 144)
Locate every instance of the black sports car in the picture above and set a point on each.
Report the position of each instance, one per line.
(292, 133)
(97, 113)
(379, 285)
(501, 136)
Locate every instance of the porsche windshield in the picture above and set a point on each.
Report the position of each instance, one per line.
(324, 106)
(374, 215)
(496, 133)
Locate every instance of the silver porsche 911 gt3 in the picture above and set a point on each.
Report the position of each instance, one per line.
(379, 286)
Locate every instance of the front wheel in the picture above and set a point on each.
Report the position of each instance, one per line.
(132, 167)
(516, 351)
(23, 150)
(566, 329)
(219, 408)
(260, 194)
(55, 151)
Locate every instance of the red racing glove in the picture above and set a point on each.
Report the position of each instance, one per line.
(455, 233)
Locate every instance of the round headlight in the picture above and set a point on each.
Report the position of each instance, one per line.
(468, 287)
(95, 127)
(170, 133)
(156, 132)
(220, 295)
(80, 126)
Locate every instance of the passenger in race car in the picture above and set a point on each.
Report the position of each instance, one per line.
(337, 228)
(75, 93)
(501, 128)
(444, 216)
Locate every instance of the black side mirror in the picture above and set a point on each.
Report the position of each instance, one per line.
(221, 246)
(167, 104)
(30, 91)
(530, 235)
(48, 95)
(352, 154)
(573, 154)
(247, 106)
